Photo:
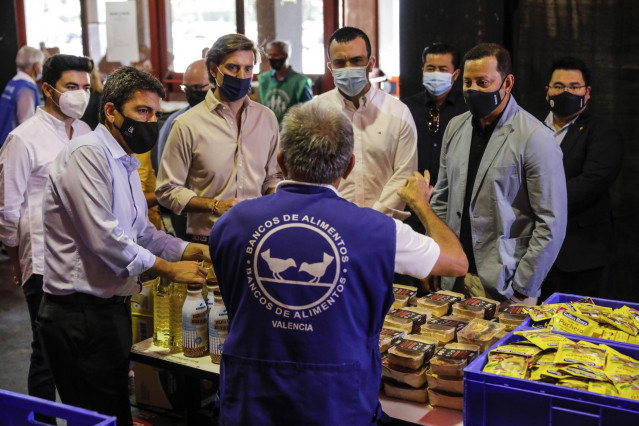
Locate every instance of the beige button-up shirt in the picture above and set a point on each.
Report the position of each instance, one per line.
(206, 156)
(385, 149)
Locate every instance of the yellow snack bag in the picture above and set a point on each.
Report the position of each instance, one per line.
(574, 383)
(521, 350)
(511, 366)
(617, 364)
(622, 323)
(545, 339)
(631, 313)
(571, 322)
(604, 388)
(547, 359)
(548, 371)
(573, 353)
(540, 313)
(585, 372)
(629, 388)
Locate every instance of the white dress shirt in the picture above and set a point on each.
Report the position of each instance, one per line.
(561, 133)
(415, 253)
(97, 234)
(385, 148)
(25, 159)
(206, 156)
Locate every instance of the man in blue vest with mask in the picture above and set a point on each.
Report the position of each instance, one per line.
(20, 96)
(306, 277)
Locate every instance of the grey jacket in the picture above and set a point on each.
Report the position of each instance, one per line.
(518, 210)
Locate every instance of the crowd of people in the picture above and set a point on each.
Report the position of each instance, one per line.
(308, 207)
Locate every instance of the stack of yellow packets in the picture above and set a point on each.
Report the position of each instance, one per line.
(587, 319)
(548, 357)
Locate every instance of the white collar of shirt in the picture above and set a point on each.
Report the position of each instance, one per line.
(212, 103)
(130, 162)
(550, 123)
(363, 101)
(21, 75)
(297, 182)
(54, 122)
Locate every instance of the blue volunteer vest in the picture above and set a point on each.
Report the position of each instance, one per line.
(306, 277)
(9, 105)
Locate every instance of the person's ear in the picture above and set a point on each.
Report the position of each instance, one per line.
(371, 64)
(109, 112)
(456, 75)
(281, 160)
(510, 83)
(349, 167)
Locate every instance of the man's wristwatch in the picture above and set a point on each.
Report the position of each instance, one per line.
(215, 209)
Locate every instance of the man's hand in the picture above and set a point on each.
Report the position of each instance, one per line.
(196, 251)
(417, 189)
(431, 283)
(14, 255)
(187, 272)
(224, 206)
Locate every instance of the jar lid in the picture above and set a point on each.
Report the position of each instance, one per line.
(194, 286)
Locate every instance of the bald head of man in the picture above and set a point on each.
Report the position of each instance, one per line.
(195, 82)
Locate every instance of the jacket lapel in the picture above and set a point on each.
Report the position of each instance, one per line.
(575, 132)
(497, 140)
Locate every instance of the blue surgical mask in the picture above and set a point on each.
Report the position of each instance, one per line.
(437, 82)
(350, 80)
(235, 88)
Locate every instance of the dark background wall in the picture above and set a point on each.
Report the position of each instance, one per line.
(8, 42)
(601, 32)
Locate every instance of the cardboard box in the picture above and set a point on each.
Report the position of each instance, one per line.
(159, 388)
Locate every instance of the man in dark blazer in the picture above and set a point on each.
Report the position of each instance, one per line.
(592, 160)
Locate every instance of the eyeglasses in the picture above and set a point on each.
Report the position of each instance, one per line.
(357, 61)
(195, 87)
(433, 124)
(561, 88)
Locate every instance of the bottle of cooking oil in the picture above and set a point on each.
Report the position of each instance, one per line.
(161, 328)
(195, 323)
(176, 301)
(218, 327)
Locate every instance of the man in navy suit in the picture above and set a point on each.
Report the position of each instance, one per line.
(592, 160)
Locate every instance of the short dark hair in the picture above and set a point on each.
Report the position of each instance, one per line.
(122, 84)
(228, 44)
(57, 64)
(346, 34)
(570, 63)
(483, 50)
(441, 49)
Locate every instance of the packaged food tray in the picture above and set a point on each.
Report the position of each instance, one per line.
(490, 399)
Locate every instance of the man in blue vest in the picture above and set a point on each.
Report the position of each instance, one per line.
(20, 96)
(306, 277)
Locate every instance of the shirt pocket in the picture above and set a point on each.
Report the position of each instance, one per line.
(505, 182)
(255, 391)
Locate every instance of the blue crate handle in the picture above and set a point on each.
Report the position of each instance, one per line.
(18, 409)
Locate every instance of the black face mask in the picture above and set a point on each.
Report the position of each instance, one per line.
(566, 104)
(277, 64)
(480, 104)
(194, 97)
(140, 136)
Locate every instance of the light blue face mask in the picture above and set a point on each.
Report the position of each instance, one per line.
(437, 82)
(350, 80)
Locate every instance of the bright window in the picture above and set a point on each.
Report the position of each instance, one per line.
(56, 23)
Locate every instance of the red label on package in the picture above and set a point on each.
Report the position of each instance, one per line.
(489, 308)
(448, 322)
(394, 335)
(399, 290)
(417, 319)
(458, 354)
(444, 297)
(416, 346)
(516, 310)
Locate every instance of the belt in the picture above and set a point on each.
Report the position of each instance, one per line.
(203, 239)
(86, 299)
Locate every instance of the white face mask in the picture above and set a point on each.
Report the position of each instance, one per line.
(437, 82)
(350, 80)
(73, 103)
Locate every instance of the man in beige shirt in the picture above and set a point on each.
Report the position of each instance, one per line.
(224, 149)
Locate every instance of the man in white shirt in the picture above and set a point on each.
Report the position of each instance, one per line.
(98, 240)
(25, 160)
(20, 96)
(385, 136)
(224, 149)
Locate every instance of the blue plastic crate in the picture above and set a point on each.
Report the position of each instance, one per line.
(493, 400)
(565, 298)
(18, 409)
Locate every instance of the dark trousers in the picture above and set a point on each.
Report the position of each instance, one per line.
(88, 341)
(40, 382)
(591, 282)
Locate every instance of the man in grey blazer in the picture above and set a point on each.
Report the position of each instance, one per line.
(501, 186)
